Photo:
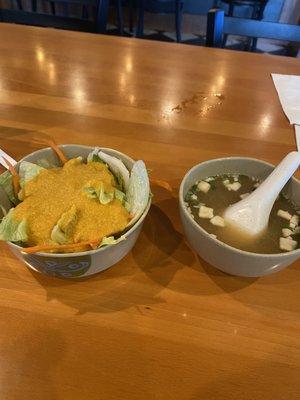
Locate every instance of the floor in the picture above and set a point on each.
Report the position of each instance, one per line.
(160, 27)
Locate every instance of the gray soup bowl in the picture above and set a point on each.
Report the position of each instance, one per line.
(220, 255)
(80, 264)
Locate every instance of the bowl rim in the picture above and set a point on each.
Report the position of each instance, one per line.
(87, 252)
(216, 240)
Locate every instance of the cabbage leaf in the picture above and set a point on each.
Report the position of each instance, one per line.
(13, 230)
(109, 240)
(63, 230)
(28, 171)
(6, 182)
(138, 190)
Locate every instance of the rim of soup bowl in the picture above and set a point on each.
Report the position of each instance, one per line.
(216, 240)
(87, 252)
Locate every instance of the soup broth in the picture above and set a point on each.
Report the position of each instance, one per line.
(207, 200)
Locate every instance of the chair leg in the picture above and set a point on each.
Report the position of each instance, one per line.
(19, 4)
(140, 25)
(230, 14)
(33, 5)
(258, 12)
(259, 16)
(120, 17)
(253, 45)
(131, 15)
(85, 11)
(52, 7)
(261, 10)
(231, 8)
(178, 19)
(65, 9)
(102, 15)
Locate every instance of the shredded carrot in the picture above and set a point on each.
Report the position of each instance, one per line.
(15, 177)
(162, 184)
(48, 247)
(57, 150)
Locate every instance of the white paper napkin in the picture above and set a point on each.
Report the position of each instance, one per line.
(288, 89)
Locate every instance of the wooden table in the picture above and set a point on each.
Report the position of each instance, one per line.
(161, 324)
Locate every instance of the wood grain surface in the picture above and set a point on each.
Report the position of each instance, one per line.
(161, 324)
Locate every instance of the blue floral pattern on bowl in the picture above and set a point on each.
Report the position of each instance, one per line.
(66, 267)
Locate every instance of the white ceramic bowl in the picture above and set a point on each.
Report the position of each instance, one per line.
(80, 264)
(217, 253)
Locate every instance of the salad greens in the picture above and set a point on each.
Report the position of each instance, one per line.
(28, 171)
(116, 166)
(7, 185)
(106, 241)
(12, 230)
(133, 191)
(138, 190)
(63, 230)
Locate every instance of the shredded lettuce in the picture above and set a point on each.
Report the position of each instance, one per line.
(138, 191)
(63, 230)
(28, 171)
(116, 166)
(118, 169)
(91, 192)
(12, 230)
(96, 158)
(106, 241)
(100, 194)
(135, 185)
(6, 183)
(122, 198)
(93, 156)
(120, 182)
(105, 197)
(119, 195)
(43, 162)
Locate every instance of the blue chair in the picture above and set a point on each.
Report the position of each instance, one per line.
(103, 7)
(163, 7)
(218, 25)
(94, 21)
(257, 6)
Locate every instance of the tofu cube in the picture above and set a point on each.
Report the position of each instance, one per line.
(294, 221)
(296, 231)
(244, 195)
(286, 232)
(287, 244)
(284, 214)
(194, 197)
(206, 212)
(218, 221)
(234, 186)
(203, 186)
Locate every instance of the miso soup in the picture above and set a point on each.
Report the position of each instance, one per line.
(207, 200)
